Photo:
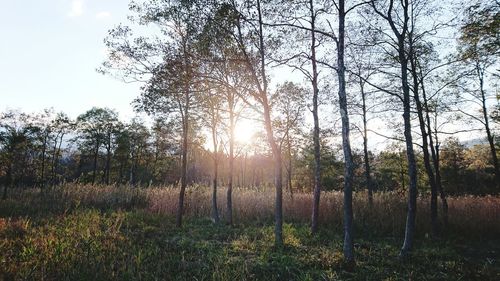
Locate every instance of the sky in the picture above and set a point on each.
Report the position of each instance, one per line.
(49, 52)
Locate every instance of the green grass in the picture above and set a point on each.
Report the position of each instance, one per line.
(88, 244)
(117, 237)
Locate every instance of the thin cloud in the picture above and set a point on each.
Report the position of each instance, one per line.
(76, 8)
(103, 15)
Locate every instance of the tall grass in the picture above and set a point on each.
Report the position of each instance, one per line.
(82, 232)
(468, 215)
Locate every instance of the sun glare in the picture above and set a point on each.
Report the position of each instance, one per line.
(245, 130)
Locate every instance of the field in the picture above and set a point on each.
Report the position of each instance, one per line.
(78, 232)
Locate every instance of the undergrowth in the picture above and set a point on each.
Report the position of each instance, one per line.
(119, 237)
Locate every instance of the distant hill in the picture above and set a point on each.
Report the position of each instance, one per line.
(476, 141)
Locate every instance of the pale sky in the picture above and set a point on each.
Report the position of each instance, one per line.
(49, 52)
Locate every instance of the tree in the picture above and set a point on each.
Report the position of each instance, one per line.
(212, 105)
(166, 144)
(138, 141)
(361, 70)
(289, 104)
(16, 141)
(62, 125)
(42, 127)
(302, 20)
(452, 158)
(346, 143)
(414, 60)
(397, 17)
(479, 46)
(221, 67)
(434, 103)
(96, 127)
(165, 64)
(247, 31)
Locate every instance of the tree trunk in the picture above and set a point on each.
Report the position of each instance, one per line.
(278, 175)
(244, 181)
(42, 176)
(368, 177)
(410, 154)
(289, 170)
(96, 153)
(316, 130)
(402, 37)
(108, 159)
(53, 168)
(435, 156)
(215, 212)
(54, 160)
(276, 150)
(349, 163)
(425, 145)
(131, 170)
(442, 194)
(185, 128)
(231, 162)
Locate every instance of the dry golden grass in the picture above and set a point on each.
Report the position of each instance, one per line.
(470, 215)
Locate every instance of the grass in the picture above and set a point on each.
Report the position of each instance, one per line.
(111, 233)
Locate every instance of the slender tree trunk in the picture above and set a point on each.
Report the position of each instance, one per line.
(276, 150)
(349, 163)
(289, 170)
(54, 160)
(316, 130)
(108, 159)
(185, 129)
(278, 177)
(229, 194)
(442, 194)
(410, 154)
(425, 145)
(402, 37)
(185, 133)
(432, 182)
(131, 170)
(42, 176)
(215, 212)
(96, 153)
(365, 145)
(244, 181)
(435, 155)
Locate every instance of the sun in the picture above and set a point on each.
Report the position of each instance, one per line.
(244, 131)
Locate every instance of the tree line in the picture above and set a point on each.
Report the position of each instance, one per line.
(206, 65)
(47, 149)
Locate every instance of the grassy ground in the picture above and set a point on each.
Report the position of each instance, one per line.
(63, 238)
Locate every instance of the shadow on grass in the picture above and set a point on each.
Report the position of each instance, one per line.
(113, 237)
